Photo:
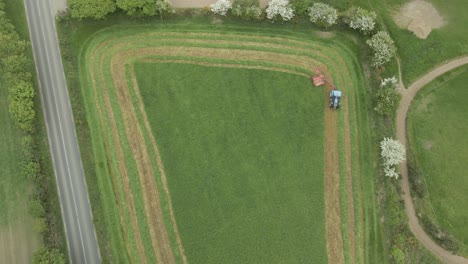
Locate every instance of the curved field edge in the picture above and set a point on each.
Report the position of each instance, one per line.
(436, 154)
(355, 183)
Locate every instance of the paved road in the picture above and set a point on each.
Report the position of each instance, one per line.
(407, 97)
(73, 194)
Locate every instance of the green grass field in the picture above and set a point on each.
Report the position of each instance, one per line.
(437, 128)
(257, 178)
(243, 150)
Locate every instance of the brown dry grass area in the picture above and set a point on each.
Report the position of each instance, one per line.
(332, 184)
(18, 240)
(128, 194)
(419, 17)
(150, 192)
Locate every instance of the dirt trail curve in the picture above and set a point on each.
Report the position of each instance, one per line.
(407, 97)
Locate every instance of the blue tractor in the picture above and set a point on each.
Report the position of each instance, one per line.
(335, 97)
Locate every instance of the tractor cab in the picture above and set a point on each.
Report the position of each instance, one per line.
(335, 97)
(320, 79)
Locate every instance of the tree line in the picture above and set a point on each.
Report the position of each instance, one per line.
(16, 77)
(98, 9)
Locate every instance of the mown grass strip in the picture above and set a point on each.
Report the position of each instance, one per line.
(113, 226)
(108, 122)
(134, 181)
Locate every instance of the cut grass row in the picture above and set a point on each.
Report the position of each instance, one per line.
(356, 184)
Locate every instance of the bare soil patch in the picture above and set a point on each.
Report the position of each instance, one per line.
(216, 21)
(428, 145)
(325, 34)
(17, 239)
(419, 17)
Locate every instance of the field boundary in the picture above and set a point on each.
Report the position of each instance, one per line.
(122, 54)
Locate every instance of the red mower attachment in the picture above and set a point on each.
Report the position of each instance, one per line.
(318, 80)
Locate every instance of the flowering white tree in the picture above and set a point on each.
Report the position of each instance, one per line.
(391, 82)
(360, 19)
(162, 7)
(221, 7)
(281, 8)
(392, 152)
(323, 15)
(383, 47)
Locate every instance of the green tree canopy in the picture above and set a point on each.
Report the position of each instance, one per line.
(97, 9)
(143, 7)
(48, 256)
(21, 104)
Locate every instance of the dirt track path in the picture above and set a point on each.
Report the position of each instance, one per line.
(407, 97)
